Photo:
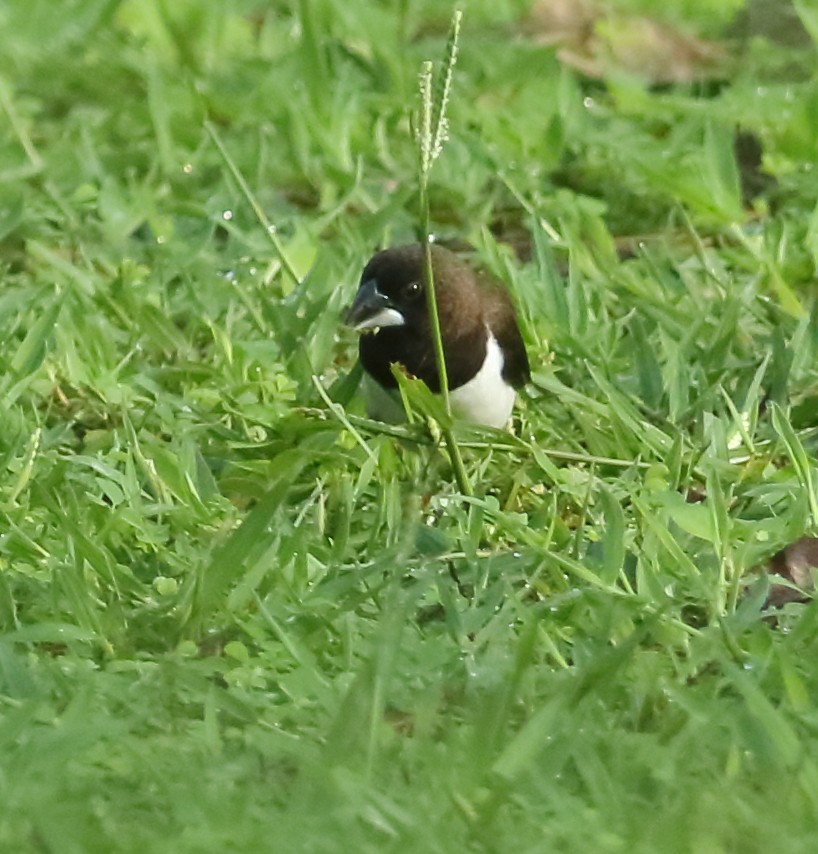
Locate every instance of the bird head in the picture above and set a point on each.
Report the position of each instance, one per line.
(391, 292)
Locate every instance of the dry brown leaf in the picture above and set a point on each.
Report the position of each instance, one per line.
(597, 43)
(795, 563)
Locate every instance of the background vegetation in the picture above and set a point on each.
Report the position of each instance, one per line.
(237, 616)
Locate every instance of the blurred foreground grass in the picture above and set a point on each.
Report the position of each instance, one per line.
(231, 624)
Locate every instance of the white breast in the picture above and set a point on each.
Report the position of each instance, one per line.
(486, 398)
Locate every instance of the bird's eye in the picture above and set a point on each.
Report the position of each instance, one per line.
(412, 289)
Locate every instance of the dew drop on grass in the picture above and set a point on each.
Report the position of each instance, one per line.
(589, 103)
(227, 215)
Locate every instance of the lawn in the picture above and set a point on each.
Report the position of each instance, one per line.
(238, 616)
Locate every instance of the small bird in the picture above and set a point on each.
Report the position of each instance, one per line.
(484, 351)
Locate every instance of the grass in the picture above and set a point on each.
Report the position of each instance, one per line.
(238, 616)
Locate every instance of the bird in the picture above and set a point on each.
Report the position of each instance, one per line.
(486, 359)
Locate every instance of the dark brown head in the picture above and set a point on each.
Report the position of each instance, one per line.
(392, 292)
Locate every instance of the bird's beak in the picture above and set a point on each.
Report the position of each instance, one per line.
(372, 310)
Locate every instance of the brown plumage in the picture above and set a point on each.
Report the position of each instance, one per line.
(475, 311)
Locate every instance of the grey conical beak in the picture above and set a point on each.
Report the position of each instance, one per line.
(372, 310)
